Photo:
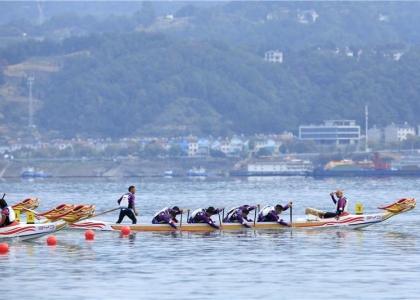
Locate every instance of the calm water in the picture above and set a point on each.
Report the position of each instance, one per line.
(379, 262)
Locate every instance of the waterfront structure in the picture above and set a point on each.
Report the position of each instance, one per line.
(332, 132)
(273, 167)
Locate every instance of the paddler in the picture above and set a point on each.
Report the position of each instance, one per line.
(271, 214)
(239, 214)
(128, 206)
(203, 215)
(168, 216)
(341, 204)
(7, 214)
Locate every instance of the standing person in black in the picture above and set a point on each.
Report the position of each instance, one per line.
(128, 205)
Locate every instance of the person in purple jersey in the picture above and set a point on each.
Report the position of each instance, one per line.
(168, 216)
(128, 206)
(203, 215)
(7, 214)
(239, 215)
(340, 204)
(271, 214)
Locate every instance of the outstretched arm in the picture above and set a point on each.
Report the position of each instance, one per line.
(172, 223)
(243, 221)
(287, 206)
(168, 220)
(333, 198)
(209, 221)
(282, 222)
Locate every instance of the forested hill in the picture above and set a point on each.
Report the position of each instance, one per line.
(208, 75)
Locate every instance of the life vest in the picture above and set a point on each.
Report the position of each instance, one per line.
(10, 217)
(345, 205)
(124, 201)
(195, 212)
(230, 213)
(164, 210)
(266, 210)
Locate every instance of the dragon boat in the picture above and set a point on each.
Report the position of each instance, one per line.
(313, 220)
(55, 221)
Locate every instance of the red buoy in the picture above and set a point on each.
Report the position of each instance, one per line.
(89, 234)
(125, 230)
(51, 240)
(4, 248)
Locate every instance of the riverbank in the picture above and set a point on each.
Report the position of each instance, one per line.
(121, 167)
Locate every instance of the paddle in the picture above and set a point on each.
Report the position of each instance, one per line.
(182, 212)
(105, 212)
(92, 216)
(255, 215)
(291, 207)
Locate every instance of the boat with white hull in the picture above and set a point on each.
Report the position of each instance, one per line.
(51, 222)
(272, 167)
(24, 231)
(311, 221)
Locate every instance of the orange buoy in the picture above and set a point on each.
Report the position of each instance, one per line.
(51, 240)
(125, 230)
(4, 248)
(89, 234)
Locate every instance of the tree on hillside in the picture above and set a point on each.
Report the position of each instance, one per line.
(2, 78)
(146, 16)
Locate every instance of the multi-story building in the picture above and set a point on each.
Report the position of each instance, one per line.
(338, 132)
(192, 146)
(398, 132)
(274, 56)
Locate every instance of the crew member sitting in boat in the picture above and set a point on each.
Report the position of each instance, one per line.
(270, 214)
(128, 206)
(340, 205)
(239, 215)
(203, 215)
(7, 214)
(168, 216)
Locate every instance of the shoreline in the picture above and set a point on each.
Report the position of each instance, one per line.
(117, 168)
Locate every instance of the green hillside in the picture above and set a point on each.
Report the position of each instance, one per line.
(207, 75)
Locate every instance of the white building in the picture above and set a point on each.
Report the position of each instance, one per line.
(338, 132)
(274, 56)
(192, 147)
(225, 146)
(398, 132)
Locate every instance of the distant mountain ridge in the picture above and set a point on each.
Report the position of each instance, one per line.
(208, 76)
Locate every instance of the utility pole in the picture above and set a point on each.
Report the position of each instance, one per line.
(41, 18)
(366, 128)
(30, 85)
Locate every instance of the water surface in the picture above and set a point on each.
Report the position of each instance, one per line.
(379, 262)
